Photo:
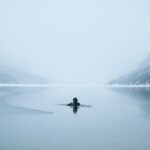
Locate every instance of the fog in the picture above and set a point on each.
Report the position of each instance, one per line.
(82, 41)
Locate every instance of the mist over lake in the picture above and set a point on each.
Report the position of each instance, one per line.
(76, 42)
(74, 75)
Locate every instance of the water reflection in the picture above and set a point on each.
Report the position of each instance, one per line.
(7, 109)
(140, 95)
(75, 109)
(6, 93)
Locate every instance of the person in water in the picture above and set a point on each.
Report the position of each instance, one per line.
(75, 103)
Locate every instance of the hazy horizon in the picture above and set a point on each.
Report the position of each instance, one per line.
(75, 41)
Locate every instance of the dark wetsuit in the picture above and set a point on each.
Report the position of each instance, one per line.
(74, 104)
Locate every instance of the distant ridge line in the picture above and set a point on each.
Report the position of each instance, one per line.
(73, 85)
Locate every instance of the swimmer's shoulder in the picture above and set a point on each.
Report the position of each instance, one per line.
(70, 104)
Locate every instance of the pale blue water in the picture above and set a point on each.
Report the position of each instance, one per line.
(30, 119)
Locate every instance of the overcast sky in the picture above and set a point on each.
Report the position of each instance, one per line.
(75, 41)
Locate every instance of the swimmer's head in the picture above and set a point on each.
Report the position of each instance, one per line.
(75, 100)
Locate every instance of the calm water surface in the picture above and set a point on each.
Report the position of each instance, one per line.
(32, 119)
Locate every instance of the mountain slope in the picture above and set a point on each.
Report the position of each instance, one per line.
(13, 76)
(141, 75)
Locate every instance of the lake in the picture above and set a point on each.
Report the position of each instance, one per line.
(34, 119)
